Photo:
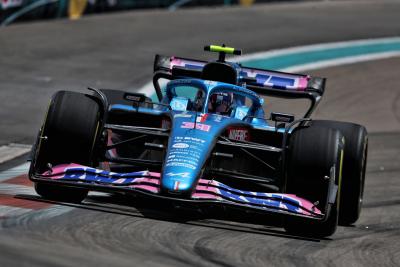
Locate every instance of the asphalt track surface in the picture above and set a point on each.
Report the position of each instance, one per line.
(116, 51)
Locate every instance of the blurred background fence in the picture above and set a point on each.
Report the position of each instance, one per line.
(21, 10)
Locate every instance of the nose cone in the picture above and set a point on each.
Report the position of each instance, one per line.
(191, 141)
(178, 182)
(189, 146)
(187, 152)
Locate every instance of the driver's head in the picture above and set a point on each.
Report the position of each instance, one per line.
(199, 100)
(220, 103)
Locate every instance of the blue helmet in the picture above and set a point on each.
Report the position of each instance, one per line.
(220, 103)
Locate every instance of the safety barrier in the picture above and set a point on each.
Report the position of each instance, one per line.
(18, 10)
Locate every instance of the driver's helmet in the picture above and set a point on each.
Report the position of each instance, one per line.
(199, 100)
(220, 103)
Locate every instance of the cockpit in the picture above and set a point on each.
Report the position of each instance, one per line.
(212, 97)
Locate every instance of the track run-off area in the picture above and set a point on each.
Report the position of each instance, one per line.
(116, 51)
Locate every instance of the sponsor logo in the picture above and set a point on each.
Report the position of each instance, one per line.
(241, 112)
(182, 115)
(239, 134)
(180, 174)
(217, 118)
(178, 82)
(179, 104)
(180, 145)
(199, 126)
(210, 83)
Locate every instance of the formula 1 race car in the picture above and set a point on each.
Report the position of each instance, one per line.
(207, 142)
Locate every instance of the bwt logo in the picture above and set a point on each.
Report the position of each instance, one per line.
(181, 174)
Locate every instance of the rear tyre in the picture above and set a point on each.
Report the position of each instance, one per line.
(68, 136)
(313, 152)
(354, 166)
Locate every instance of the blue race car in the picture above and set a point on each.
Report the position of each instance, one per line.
(207, 142)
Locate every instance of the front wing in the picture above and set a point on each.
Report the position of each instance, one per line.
(148, 183)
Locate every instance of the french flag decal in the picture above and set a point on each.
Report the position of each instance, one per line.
(176, 185)
(202, 117)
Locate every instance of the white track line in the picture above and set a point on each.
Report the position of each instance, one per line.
(315, 47)
(13, 189)
(14, 172)
(11, 151)
(8, 211)
(341, 61)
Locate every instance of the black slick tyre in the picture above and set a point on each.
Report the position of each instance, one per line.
(354, 166)
(68, 136)
(60, 193)
(314, 161)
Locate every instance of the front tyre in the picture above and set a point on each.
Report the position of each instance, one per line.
(68, 135)
(315, 153)
(60, 193)
(354, 166)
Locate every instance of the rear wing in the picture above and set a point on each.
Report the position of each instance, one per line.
(262, 82)
(251, 76)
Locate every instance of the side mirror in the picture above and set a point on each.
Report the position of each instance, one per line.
(134, 97)
(282, 117)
